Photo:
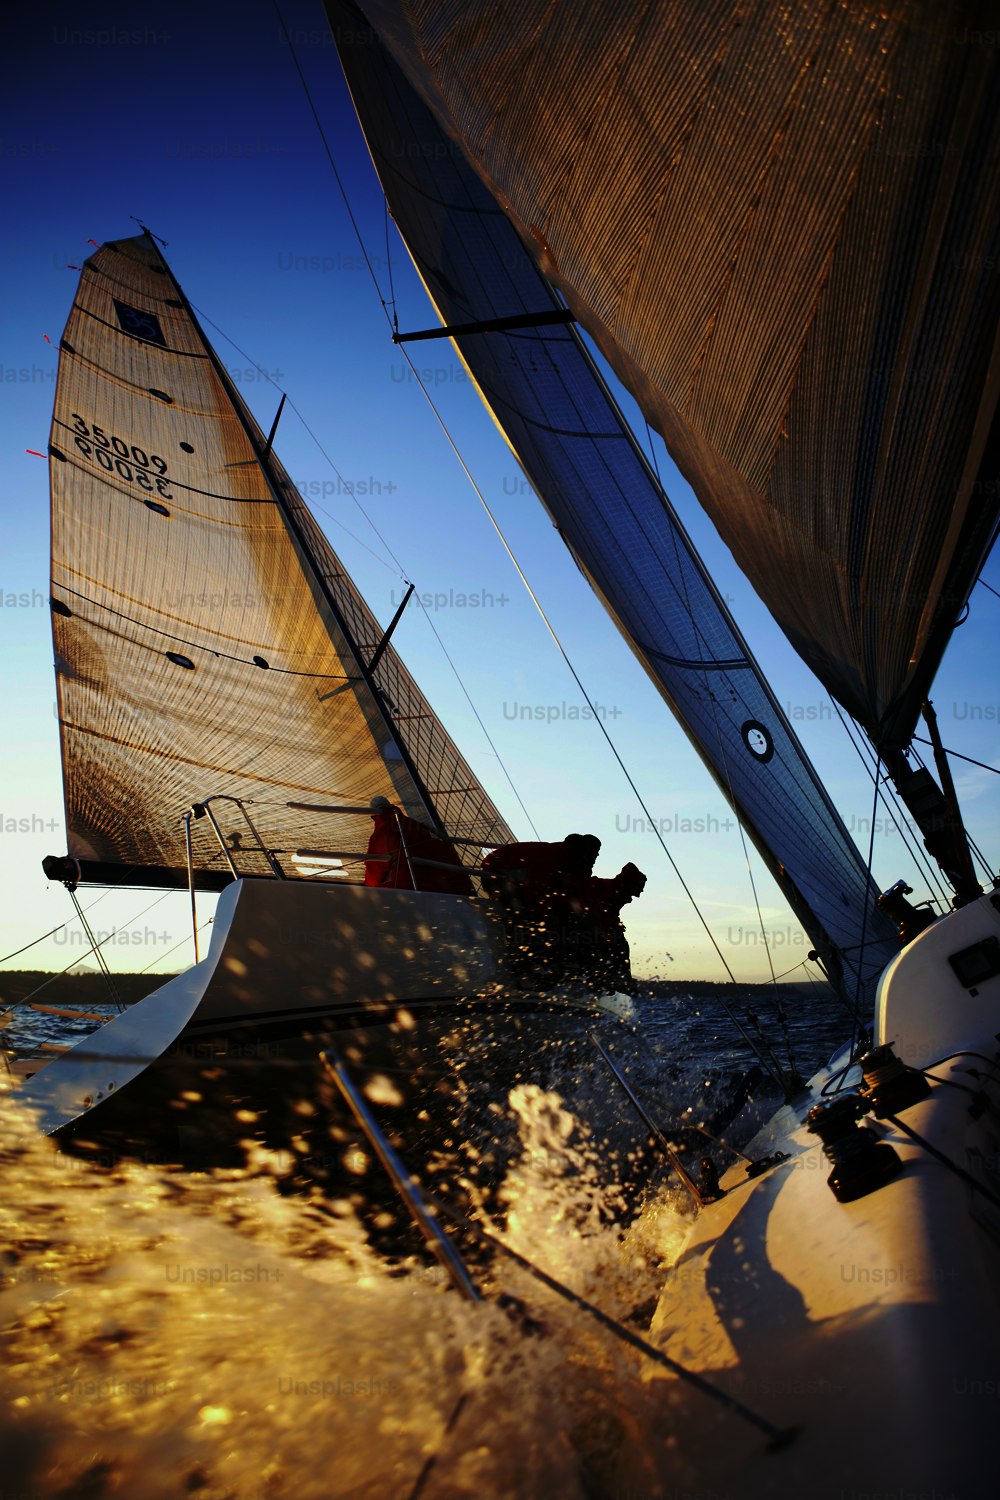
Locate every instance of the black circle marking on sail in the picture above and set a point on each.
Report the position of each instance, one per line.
(161, 395)
(757, 739)
(260, 661)
(179, 660)
(186, 448)
(161, 510)
(55, 452)
(59, 608)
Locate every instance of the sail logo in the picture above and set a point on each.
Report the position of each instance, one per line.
(316, 489)
(431, 375)
(368, 1385)
(784, 937)
(453, 599)
(325, 264)
(135, 937)
(32, 824)
(554, 713)
(679, 823)
(977, 713)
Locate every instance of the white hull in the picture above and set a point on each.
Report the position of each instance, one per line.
(282, 953)
(872, 1326)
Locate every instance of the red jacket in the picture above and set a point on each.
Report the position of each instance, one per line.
(421, 843)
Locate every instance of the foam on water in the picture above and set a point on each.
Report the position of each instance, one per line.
(175, 1333)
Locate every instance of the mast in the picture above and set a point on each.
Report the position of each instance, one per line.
(936, 812)
(266, 463)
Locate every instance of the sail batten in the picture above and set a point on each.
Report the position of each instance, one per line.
(208, 641)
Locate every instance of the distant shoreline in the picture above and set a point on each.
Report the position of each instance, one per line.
(91, 988)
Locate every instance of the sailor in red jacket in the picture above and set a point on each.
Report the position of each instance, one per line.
(399, 872)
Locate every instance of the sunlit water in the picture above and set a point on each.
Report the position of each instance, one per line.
(172, 1332)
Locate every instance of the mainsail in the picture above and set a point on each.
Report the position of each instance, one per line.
(568, 435)
(208, 640)
(779, 223)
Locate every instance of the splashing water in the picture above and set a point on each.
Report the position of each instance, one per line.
(176, 1332)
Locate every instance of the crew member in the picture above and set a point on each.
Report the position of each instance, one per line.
(604, 952)
(391, 827)
(540, 888)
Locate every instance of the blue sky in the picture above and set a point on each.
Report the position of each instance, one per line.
(195, 122)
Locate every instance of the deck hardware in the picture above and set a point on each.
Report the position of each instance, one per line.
(889, 1085)
(861, 1162)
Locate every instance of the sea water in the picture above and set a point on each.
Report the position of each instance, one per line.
(176, 1332)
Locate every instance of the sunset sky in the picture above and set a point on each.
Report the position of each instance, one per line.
(195, 122)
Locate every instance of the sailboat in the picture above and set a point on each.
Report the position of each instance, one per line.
(810, 463)
(779, 226)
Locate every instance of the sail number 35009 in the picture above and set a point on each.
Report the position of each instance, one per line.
(115, 456)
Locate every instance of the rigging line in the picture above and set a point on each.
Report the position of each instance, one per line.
(388, 265)
(479, 721)
(437, 636)
(329, 156)
(973, 846)
(946, 1161)
(394, 325)
(782, 1018)
(779, 1436)
(35, 941)
(381, 560)
(918, 856)
(724, 758)
(96, 949)
(931, 876)
(161, 956)
(856, 1029)
(77, 957)
(597, 718)
(983, 765)
(988, 586)
(348, 487)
